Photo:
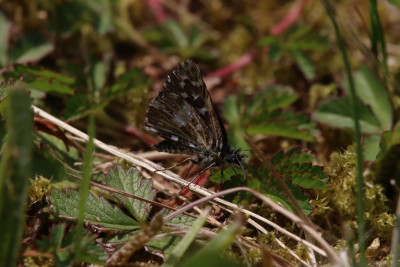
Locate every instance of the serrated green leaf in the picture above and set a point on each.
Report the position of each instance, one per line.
(296, 169)
(296, 165)
(278, 96)
(261, 116)
(338, 113)
(218, 177)
(372, 92)
(131, 182)
(285, 123)
(98, 211)
(43, 80)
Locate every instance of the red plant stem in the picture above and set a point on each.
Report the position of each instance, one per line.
(289, 19)
(158, 10)
(243, 61)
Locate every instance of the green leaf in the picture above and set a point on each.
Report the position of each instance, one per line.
(212, 253)
(305, 64)
(177, 34)
(102, 12)
(276, 97)
(283, 123)
(338, 113)
(30, 47)
(231, 111)
(179, 220)
(52, 156)
(98, 211)
(131, 182)
(222, 177)
(178, 251)
(131, 80)
(5, 33)
(79, 106)
(296, 165)
(60, 243)
(388, 140)
(275, 51)
(99, 75)
(297, 171)
(371, 147)
(43, 80)
(163, 245)
(262, 116)
(372, 92)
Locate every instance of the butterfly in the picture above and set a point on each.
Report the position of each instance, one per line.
(184, 115)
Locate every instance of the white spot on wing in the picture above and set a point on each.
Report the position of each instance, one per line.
(152, 130)
(157, 105)
(179, 120)
(192, 146)
(199, 140)
(202, 110)
(174, 138)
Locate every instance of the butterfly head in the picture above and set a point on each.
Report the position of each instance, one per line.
(234, 157)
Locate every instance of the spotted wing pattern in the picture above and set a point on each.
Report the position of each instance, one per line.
(184, 115)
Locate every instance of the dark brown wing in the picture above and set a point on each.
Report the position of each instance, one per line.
(184, 115)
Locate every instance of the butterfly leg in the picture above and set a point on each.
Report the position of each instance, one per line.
(197, 176)
(176, 165)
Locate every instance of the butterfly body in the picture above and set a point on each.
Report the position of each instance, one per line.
(184, 115)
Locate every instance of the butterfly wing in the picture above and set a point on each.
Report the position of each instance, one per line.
(184, 115)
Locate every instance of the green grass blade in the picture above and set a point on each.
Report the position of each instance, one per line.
(184, 244)
(357, 135)
(84, 188)
(15, 171)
